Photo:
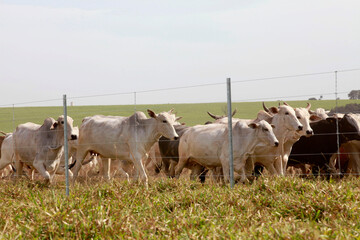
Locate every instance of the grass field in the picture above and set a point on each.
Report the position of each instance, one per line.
(192, 113)
(269, 208)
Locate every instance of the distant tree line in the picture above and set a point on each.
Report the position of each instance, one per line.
(354, 94)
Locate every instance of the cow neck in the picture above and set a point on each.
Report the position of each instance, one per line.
(148, 130)
(58, 137)
(249, 134)
(280, 131)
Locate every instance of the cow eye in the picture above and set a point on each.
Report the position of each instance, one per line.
(298, 117)
(265, 129)
(286, 113)
(62, 122)
(164, 121)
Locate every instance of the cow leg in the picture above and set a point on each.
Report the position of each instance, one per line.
(123, 173)
(270, 167)
(80, 156)
(39, 166)
(284, 163)
(165, 165)
(19, 166)
(140, 170)
(278, 164)
(172, 168)
(105, 170)
(239, 167)
(197, 171)
(249, 166)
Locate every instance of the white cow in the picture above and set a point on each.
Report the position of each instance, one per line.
(208, 145)
(285, 120)
(41, 146)
(125, 138)
(292, 137)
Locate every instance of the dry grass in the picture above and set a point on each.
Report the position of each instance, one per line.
(269, 208)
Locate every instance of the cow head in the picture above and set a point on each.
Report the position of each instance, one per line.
(320, 112)
(265, 132)
(303, 115)
(284, 116)
(59, 126)
(165, 123)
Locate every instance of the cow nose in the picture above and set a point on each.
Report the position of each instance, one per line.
(276, 144)
(300, 128)
(73, 137)
(176, 138)
(309, 132)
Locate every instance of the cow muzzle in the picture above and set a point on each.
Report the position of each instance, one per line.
(176, 138)
(309, 133)
(276, 144)
(73, 137)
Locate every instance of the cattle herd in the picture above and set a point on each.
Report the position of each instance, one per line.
(281, 139)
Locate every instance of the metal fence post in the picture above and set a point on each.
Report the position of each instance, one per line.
(337, 124)
(229, 110)
(66, 146)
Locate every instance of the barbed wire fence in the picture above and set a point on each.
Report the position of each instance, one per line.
(331, 85)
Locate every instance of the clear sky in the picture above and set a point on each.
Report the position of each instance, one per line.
(90, 47)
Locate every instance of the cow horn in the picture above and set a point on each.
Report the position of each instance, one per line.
(286, 104)
(234, 112)
(265, 108)
(308, 106)
(3, 132)
(171, 110)
(214, 116)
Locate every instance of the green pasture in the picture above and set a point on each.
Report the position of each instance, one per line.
(269, 208)
(194, 113)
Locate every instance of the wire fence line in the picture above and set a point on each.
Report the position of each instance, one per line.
(238, 90)
(195, 86)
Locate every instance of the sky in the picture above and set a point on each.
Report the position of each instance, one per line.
(152, 52)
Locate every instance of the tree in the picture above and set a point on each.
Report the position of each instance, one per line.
(354, 94)
(312, 98)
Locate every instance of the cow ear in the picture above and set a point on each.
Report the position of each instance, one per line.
(178, 118)
(55, 124)
(171, 111)
(151, 113)
(274, 110)
(253, 125)
(314, 118)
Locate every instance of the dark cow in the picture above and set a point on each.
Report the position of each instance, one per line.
(317, 149)
(169, 150)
